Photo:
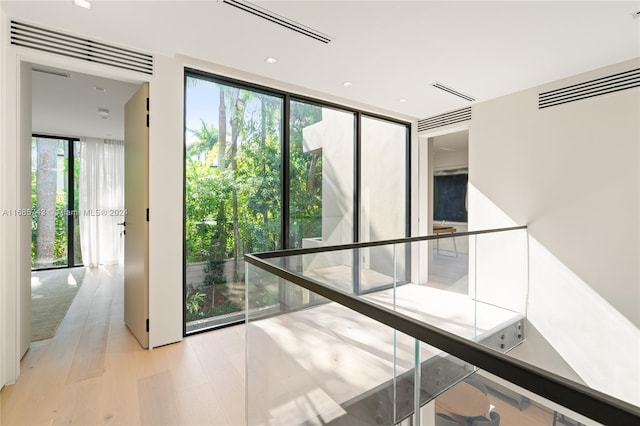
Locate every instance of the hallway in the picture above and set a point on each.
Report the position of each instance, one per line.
(94, 371)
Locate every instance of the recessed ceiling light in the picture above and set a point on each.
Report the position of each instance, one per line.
(82, 3)
(347, 83)
(403, 100)
(270, 60)
(103, 112)
(99, 89)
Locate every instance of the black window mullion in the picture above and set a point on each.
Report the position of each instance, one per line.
(408, 182)
(408, 264)
(285, 175)
(70, 203)
(357, 163)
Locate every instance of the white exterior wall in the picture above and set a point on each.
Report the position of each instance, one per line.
(334, 135)
(382, 195)
(571, 173)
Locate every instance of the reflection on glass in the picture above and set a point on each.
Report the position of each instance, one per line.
(232, 194)
(321, 176)
(322, 364)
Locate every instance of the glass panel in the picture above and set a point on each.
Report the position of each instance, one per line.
(483, 399)
(49, 198)
(232, 194)
(383, 180)
(314, 361)
(321, 176)
(501, 269)
(324, 364)
(382, 267)
(328, 348)
(446, 298)
(448, 264)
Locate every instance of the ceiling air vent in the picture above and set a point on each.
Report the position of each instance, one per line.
(453, 92)
(441, 120)
(58, 43)
(277, 19)
(600, 86)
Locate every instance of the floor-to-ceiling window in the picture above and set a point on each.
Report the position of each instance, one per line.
(54, 197)
(233, 189)
(267, 170)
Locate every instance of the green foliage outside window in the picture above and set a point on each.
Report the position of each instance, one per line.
(233, 193)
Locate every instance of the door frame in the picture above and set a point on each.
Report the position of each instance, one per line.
(15, 249)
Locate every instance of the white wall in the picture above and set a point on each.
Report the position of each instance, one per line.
(3, 319)
(571, 173)
(24, 201)
(15, 197)
(166, 145)
(9, 284)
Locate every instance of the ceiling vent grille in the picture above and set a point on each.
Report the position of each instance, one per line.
(58, 43)
(453, 92)
(588, 89)
(277, 19)
(441, 120)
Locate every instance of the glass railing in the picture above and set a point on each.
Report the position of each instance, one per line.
(413, 330)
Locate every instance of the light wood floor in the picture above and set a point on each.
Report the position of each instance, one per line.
(94, 372)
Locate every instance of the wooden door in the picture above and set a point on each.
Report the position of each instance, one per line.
(136, 245)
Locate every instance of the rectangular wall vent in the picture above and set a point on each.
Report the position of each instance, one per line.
(588, 89)
(58, 43)
(445, 119)
(277, 19)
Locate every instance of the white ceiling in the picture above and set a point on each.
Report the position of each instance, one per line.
(389, 49)
(458, 141)
(69, 106)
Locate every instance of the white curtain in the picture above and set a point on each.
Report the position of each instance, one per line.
(101, 203)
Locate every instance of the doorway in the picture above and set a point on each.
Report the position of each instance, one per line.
(444, 171)
(77, 185)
